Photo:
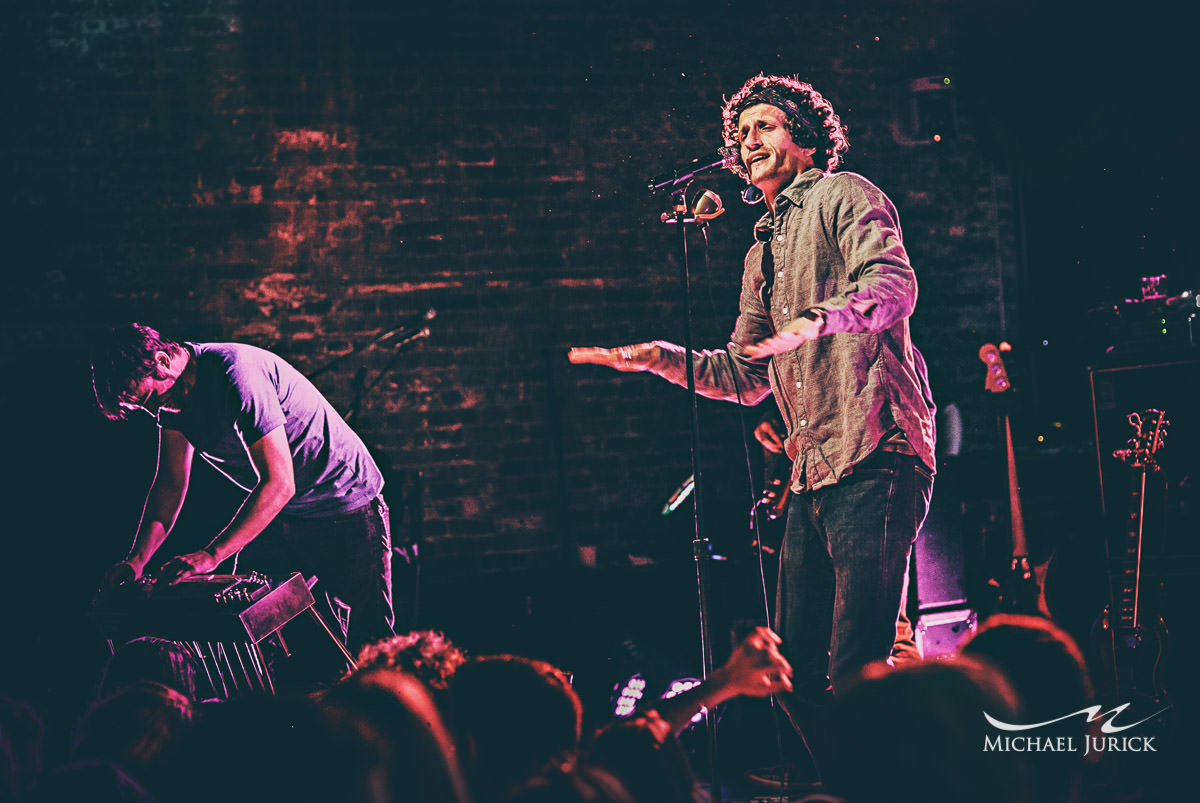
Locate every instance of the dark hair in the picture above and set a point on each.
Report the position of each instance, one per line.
(811, 120)
(1048, 672)
(649, 768)
(517, 714)
(150, 658)
(420, 754)
(1040, 660)
(139, 728)
(121, 358)
(888, 720)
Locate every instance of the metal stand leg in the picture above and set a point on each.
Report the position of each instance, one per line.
(199, 653)
(260, 661)
(245, 674)
(217, 666)
(228, 665)
(312, 611)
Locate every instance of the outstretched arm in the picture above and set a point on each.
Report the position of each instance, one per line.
(756, 669)
(272, 458)
(641, 357)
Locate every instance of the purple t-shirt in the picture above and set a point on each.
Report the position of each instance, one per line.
(243, 392)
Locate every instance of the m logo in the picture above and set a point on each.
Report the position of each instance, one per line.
(1092, 712)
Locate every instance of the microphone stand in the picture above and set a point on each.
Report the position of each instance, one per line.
(701, 546)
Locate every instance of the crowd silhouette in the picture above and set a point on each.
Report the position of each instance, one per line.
(421, 720)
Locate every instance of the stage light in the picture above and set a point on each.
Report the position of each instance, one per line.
(628, 694)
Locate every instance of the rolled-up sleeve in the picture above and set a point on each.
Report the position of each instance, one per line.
(883, 286)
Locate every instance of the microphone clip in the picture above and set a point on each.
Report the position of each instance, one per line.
(704, 208)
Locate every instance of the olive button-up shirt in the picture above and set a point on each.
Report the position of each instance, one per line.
(832, 244)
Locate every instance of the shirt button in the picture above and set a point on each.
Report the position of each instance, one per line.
(779, 237)
(804, 422)
(797, 384)
(785, 310)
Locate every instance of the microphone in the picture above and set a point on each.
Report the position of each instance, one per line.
(1188, 298)
(681, 493)
(721, 157)
(411, 329)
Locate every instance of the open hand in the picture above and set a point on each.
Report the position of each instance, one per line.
(623, 358)
(792, 336)
(181, 566)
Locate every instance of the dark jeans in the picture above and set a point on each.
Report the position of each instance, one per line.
(351, 555)
(843, 570)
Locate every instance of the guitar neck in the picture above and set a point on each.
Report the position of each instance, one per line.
(1020, 544)
(1126, 583)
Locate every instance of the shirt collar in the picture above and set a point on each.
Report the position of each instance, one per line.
(794, 194)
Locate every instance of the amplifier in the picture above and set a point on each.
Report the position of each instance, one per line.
(939, 634)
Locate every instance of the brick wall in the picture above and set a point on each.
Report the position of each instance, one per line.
(306, 175)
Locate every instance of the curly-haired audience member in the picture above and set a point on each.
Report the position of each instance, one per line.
(425, 654)
(827, 292)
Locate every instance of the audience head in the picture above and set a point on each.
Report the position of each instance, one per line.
(427, 655)
(889, 721)
(137, 728)
(152, 659)
(512, 716)
(1048, 673)
(285, 748)
(648, 760)
(1041, 661)
(421, 758)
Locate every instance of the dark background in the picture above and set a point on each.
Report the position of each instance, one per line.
(306, 175)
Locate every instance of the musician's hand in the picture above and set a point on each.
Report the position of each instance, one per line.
(120, 574)
(181, 566)
(792, 336)
(756, 668)
(768, 434)
(624, 358)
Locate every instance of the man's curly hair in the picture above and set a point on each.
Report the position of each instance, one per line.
(811, 120)
(427, 654)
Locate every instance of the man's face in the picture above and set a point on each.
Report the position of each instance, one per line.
(153, 393)
(772, 159)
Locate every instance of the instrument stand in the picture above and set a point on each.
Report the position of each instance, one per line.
(701, 546)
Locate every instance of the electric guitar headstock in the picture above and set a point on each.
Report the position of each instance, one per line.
(996, 380)
(1150, 430)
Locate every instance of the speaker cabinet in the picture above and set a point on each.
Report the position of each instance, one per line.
(1172, 387)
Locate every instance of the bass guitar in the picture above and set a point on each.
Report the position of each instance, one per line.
(1022, 589)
